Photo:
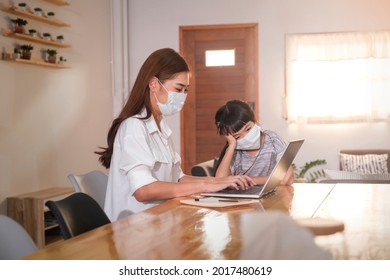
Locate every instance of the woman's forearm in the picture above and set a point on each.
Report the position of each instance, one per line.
(165, 190)
(189, 185)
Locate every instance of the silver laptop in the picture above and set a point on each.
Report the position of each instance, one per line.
(274, 179)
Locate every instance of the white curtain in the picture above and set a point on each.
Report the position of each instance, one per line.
(338, 77)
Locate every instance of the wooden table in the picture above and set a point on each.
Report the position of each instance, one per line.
(172, 230)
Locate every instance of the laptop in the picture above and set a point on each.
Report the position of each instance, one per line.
(274, 179)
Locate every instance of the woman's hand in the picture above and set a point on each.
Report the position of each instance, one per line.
(233, 182)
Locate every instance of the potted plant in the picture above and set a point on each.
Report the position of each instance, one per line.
(38, 11)
(300, 173)
(52, 56)
(50, 14)
(19, 24)
(16, 53)
(22, 6)
(32, 32)
(60, 38)
(46, 36)
(26, 51)
(62, 60)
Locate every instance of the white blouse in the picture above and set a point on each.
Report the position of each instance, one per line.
(142, 155)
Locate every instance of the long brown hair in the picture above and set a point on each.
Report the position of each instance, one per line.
(163, 64)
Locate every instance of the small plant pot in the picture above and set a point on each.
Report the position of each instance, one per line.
(33, 34)
(47, 38)
(16, 55)
(26, 55)
(52, 59)
(62, 60)
(60, 39)
(38, 13)
(22, 7)
(19, 29)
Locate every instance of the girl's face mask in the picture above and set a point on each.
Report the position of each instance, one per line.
(251, 141)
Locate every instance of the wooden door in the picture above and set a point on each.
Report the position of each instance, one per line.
(211, 87)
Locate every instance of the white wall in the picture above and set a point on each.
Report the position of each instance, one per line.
(155, 24)
(51, 120)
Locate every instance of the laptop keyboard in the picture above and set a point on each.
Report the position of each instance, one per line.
(252, 190)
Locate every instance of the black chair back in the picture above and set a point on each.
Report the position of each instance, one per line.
(77, 213)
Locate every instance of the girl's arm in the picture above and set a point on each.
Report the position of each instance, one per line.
(223, 169)
(288, 178)
(260, 180)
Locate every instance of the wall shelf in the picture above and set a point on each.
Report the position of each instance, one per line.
(9, 33)
(58, 2)
(39, 62)
(13, 10)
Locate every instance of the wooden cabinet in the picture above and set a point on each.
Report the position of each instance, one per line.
(30, 211)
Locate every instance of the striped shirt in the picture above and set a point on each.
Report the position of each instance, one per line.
(264, 162)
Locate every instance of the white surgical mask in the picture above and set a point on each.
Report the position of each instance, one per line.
(251, 141)
(174, 103)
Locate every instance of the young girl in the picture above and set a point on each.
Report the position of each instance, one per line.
(249, 150)
(144, 167)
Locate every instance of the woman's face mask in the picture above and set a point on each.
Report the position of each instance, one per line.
(174, 104)
(251, 141)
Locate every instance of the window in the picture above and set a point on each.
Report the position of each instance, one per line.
(338, 77)
(220, 58)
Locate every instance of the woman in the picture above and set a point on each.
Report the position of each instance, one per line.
(249, 150)
(144, 167)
